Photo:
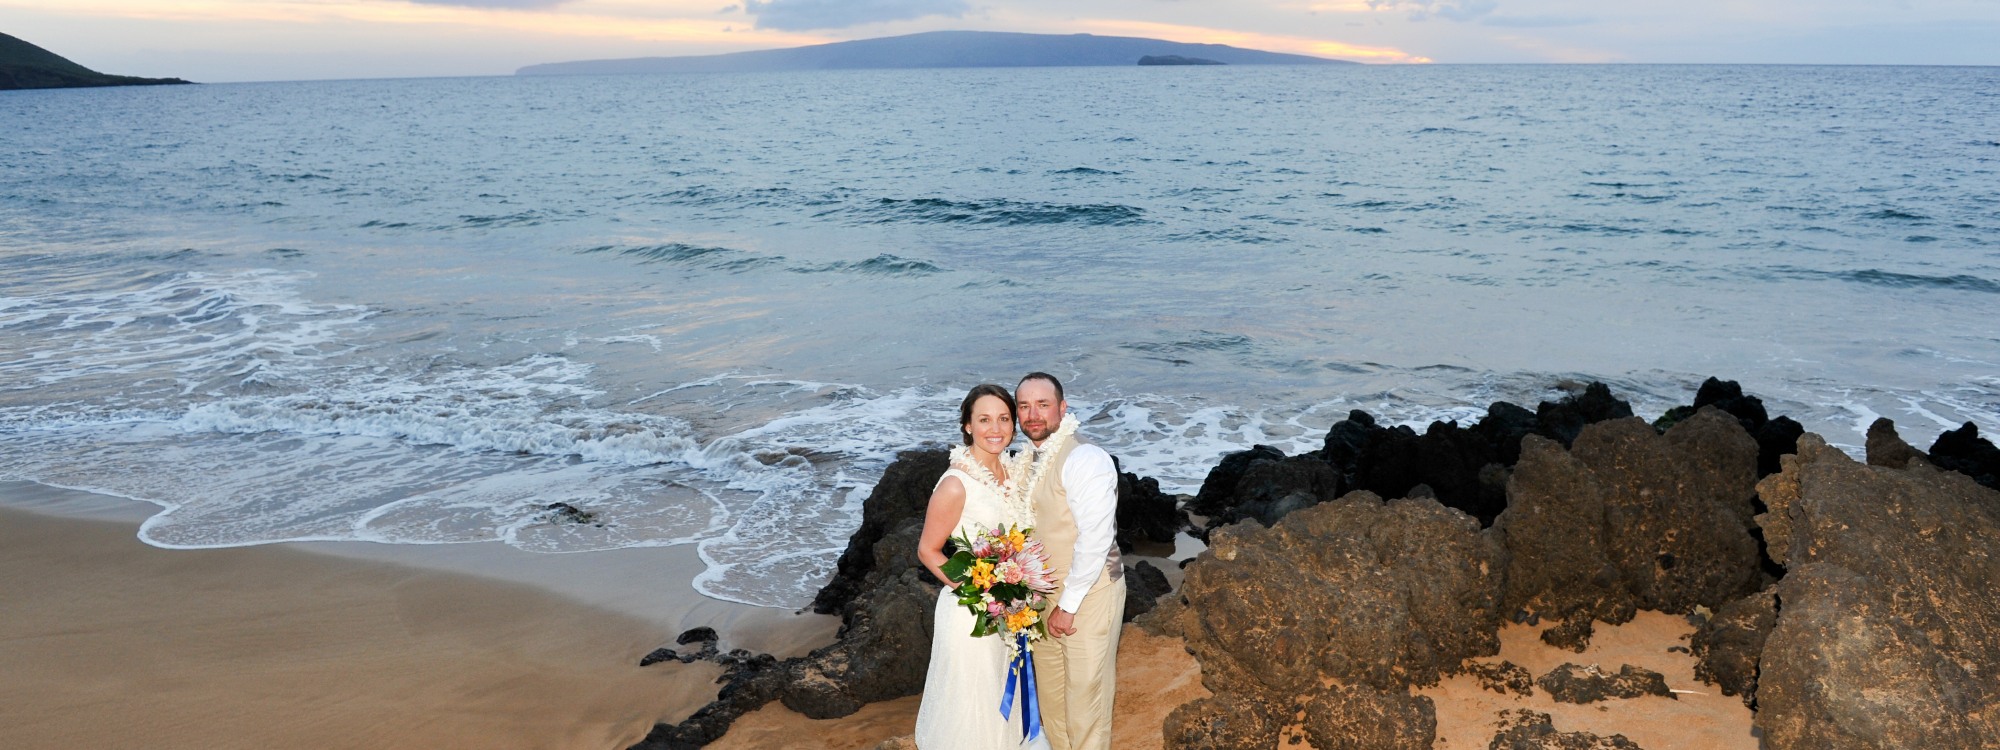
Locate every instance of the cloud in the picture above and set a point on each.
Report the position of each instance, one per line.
(804, 15)
(501, 4)
(1536, 22)
(1451, 10)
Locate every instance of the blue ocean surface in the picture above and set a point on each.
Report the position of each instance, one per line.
(711, 308)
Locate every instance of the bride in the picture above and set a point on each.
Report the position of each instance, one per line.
(962, 689)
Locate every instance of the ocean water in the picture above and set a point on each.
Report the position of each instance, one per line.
(712, 308)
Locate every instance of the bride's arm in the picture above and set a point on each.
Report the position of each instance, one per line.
(946, 504)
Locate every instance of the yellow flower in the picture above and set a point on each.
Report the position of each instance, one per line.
(1022, 620)
(982, 574)
(1017, 539)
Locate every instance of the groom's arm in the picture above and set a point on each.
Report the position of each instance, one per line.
(1091, 480)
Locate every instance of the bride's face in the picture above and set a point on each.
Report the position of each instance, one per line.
(992, 426)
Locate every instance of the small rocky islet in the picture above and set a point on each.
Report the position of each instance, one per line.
(1847, 603)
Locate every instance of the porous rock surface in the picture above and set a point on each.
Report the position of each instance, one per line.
(1386, 594)
(1221, 722)
(1571, 683)
(1730, 644)
(1361, 718)
(1522, 729)
(1463, 467)
(1887, 631)
(1628, 519)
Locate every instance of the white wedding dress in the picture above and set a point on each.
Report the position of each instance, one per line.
(962, 689)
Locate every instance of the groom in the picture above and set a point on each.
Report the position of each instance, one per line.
(1074, 490)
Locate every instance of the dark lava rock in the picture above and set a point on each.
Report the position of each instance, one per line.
(1573, 632)
(1886, 448)
(1775, 437)
(566, 513)
(882, 652)
(1570, 683)
(1357, 590)
(1221, 722)
(659, 655)
(1522, 729)
(1145, 513)
(696, 635)
(1964, 451)
(748, 684)
(1502, 677)
(1216, 489)
(1144, 585)
(1887, 630)
(1731, 644)
(1263, 484)
(1563, 420)
(1360, 718)
(1629, 519)
(1269, 489)
(902, 494)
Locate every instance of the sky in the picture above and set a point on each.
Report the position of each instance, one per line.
(266, 40)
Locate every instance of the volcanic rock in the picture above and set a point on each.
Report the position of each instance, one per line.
(1387, 595)
(1360, 718)
(1522, 729)
(1775, 437)
(1731, 643)
(882, 652)
(1144, 585)
(1502, 677)
(902, 494)
(1630, 519)
(1887, 629)
(1571, 683)
(1145, 513)
(1563, 420)
(1886, 448)
(1964, 451)
(1221, 722)
(1216, 489)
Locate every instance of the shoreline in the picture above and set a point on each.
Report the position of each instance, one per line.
(342, 644)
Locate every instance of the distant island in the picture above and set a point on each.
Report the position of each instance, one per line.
(944, 49)
(1177, 60)
(26, 66)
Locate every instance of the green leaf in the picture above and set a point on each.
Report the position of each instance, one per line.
(1008, 592)
(955, 568)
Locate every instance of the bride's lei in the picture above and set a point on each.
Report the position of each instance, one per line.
(1022, 500)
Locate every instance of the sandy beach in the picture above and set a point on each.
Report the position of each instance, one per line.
(1156, 675)
(108, 642)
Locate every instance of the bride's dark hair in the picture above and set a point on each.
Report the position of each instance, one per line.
(978, 392)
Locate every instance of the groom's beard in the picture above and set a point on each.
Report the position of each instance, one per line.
(1036, 431)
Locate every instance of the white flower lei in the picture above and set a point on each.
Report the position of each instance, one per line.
(962, 460)
(1023, 502)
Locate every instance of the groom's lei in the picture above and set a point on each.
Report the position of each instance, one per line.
(1023, 501)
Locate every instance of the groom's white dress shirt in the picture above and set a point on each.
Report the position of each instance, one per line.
(1091, 480)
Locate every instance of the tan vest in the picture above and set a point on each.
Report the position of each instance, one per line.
(1056, 526)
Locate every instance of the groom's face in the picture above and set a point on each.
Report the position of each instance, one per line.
(1041, 411)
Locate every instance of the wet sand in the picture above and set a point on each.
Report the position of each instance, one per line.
(108, 642)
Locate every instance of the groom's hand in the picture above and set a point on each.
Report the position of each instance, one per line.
(1061, 623)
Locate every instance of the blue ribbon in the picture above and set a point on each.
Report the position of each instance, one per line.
(1021, 675)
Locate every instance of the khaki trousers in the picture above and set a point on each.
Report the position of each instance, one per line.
(1077, 676)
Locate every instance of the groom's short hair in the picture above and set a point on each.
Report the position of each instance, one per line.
(1041, 376)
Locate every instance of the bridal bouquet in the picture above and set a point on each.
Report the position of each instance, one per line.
(1002, 577)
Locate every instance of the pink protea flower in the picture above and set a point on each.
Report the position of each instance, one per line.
(982, 548)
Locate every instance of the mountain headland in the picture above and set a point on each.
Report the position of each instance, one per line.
(939, 49)
(26, 66)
